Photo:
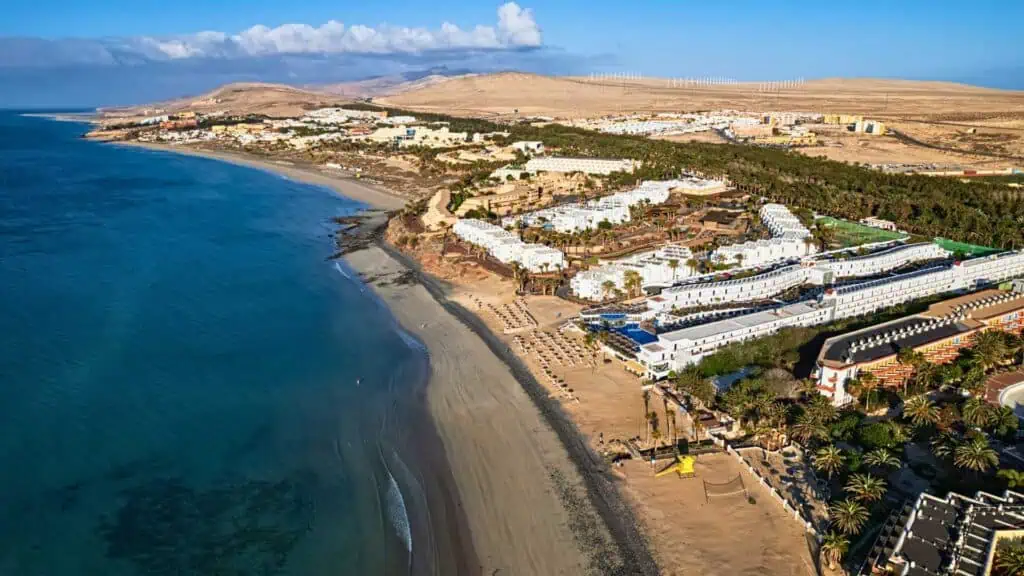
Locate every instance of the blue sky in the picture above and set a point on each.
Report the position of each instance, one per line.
(125, 50)
(744, 39)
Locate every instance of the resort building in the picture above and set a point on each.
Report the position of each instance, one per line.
(835, 303)
(752, 289)
(937, 334)
(661, 267)
(781, 222)
(678, 349)
(585, 165)
(879, 223)
(507, 248)
(826, 272)
(761, 252)
(791, 241)
(956, 535)
(613, 209)
(529, 147)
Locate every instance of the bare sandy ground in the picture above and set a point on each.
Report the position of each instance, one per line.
(348, 187)
(727, 536)
(525, 500)
(503, 94)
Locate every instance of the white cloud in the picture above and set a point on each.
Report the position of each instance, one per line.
(516, 28)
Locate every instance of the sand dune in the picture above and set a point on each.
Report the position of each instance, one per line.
(502, 94)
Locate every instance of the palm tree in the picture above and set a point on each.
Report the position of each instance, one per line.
(673, 264)
(848, 515)
(944, 444)
(865, 487)
(807, 427)
(909, 357)
(633, 281)
(975, 412)
(834, 547)
(1014, 478)
(1010, 560)
(990, 348)
(882, 458)
(829, 460)
(897, 431)
(868, 384)
(607, 287)
(1002, 421)
(693, 264)
(921, 411)
(975, 454)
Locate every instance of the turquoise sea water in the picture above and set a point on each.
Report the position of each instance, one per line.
(178, 372)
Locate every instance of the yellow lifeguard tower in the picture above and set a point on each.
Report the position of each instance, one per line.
(682, 466)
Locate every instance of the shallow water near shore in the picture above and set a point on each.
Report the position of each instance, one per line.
(187, 384)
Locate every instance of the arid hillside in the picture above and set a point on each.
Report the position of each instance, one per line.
(502, 95)
(274, 100)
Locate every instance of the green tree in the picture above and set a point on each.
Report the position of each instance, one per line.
(834, 547)
(865, 487)
(849, 516)
(1002, 422)
(1009, 559)
(882, 458)
(809, 427)
(921, 411)
(975, 454)
(828, 459)
(975, 412)
(1014, 478)
(989, 348)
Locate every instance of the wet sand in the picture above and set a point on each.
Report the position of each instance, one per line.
(537, 500)
(522, 492)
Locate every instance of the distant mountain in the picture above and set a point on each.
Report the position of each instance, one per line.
(394, 84)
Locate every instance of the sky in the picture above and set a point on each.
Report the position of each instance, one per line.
(207, 41)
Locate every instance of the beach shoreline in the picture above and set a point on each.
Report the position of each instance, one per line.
(360, 191)
(536, 501)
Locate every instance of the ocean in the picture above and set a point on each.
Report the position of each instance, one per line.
(188, 383)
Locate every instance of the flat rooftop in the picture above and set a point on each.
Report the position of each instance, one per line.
(737, 323)
(837, 349)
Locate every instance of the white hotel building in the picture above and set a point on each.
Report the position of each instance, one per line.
(681, 348)
(585, 165)
(760, 287)
(655, 269)
(574, 217)
(678, 349)
(789, 242)
(826, 272)
(507, 248)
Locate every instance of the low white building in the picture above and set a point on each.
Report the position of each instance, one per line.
(826, 272)
(662, 267)
(781, 222)
(507, 248)
(879, 223)
(755, 288)
(529, 147)
(585, 165)
(761, 252)
(681, 348)
(613, 209)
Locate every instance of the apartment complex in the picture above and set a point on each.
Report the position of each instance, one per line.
(839, 302)
(507, 248)
(614, 209)
(826, 272)
(791, 241)
(956, 534)
(937, 334)
(678, 349)
(661, 267)
(585, 165)
(751, 289)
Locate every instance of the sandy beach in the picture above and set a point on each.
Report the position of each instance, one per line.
(531, 494)
(527, 502)
(338, 182)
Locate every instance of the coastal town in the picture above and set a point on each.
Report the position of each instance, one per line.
(756, 361)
